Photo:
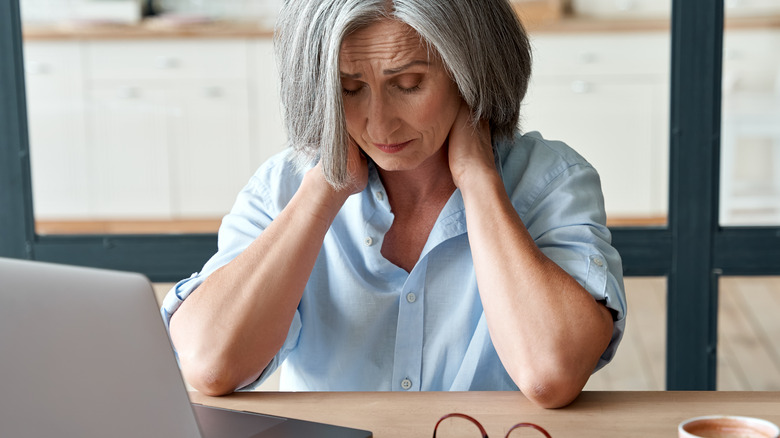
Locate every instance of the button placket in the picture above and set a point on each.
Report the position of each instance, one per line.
(407, 364)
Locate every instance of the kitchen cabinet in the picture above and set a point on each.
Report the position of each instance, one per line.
(175, 113)
(750, 140)
(267, 112)
(129, 143)
(174, 128)
(149, 129)
(59, 152)
(168, 128)
(211, 151)
(608, 98)
(143, 129)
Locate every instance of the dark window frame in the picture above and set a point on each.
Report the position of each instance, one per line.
(692, 251)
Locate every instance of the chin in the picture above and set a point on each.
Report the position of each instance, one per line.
(394, 164)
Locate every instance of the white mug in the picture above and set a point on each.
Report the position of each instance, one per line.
(724, 426)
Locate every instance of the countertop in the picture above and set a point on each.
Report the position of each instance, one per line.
(155, 29)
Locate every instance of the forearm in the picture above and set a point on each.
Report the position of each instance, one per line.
(231, 327)
(547, 329)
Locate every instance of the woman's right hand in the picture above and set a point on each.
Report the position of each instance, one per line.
(357, 169)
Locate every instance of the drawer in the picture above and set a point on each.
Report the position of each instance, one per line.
(178, 59)
(622, 8)
(602, 54)
(751, 61)
(52, 59)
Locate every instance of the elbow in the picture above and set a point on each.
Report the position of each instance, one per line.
(551, 387)
(210, 380)
(217, 375)
(551, 394)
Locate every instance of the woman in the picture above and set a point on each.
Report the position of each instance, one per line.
(410, 238)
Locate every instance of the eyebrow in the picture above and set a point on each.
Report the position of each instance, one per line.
(393, 71)
(389, 71)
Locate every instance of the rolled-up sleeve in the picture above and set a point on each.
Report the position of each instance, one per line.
(258, 203)
(246, 220)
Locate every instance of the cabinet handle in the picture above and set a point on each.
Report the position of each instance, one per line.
(167, 62)
(213, 92)
(129, 93)
(581, 87)
(587, 57)
(731, 54)
(38, 68)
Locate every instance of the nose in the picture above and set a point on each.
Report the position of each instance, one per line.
(382, 119)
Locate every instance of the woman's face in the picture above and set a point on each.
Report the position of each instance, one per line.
(400, 103)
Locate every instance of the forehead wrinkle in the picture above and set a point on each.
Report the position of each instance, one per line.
(385, 51)
(397, 45)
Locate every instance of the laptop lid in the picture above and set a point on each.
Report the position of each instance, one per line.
(84, 353)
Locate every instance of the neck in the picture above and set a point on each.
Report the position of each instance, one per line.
(431, 182)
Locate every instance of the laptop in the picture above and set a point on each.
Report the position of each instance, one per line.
(84, 353)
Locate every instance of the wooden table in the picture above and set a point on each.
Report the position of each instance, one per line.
(593, 414)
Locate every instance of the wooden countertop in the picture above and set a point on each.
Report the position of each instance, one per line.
(148, 29)
(593, 414)
(153, 29)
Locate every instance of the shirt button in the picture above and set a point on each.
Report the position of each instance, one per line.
(406, 384)
(380, 196)
(598, 262)
(369, 241)
(411, 297)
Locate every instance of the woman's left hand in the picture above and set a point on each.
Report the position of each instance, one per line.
(470, 148)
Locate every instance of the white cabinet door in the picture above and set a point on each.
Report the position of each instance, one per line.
(130, 138)
(173, 126)
(267, 121)
(58, 149)
(607, 96)
(211, 158)
(750, 139)
(619, 127)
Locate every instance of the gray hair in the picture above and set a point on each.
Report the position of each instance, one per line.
(482, 44)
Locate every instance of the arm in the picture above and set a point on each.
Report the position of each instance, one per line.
(229, 329)
(547, 329)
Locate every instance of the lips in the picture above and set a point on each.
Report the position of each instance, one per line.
(392, 148)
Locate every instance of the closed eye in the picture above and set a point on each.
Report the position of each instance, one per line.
(409, 90)
(350, 86)
(408, 83)
(350, 93)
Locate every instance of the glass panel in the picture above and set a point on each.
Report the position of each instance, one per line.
(147, 124)
(640, 362)
(601, 84)
(749, 334)
(750, 147)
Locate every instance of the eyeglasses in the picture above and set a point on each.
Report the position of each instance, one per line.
(482, 429)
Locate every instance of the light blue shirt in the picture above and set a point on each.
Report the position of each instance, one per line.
(365, 324)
